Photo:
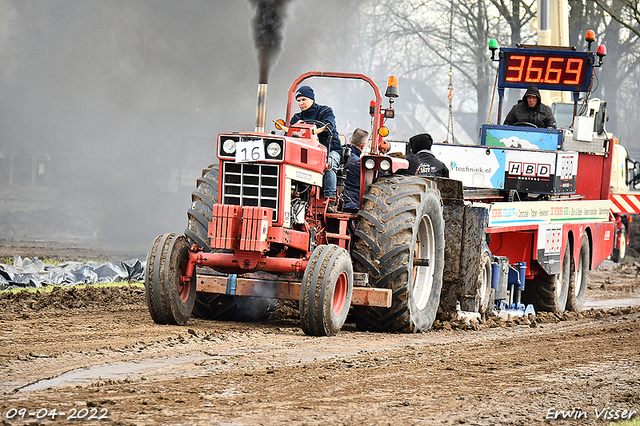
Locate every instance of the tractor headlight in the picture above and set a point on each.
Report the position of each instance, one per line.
(274, 149)
(229, 146)
(370, 164)
(385, 165)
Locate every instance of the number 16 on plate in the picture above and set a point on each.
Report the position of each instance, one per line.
(250, 151)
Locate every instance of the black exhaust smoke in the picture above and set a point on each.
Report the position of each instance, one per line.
(267, 31)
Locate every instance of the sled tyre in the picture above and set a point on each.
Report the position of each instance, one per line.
(550, 293)
(579, 279)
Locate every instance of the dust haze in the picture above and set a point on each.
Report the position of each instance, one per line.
(110, 110)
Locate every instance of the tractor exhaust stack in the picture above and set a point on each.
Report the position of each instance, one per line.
(261, 109)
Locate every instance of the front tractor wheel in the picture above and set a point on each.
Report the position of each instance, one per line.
(325, 295)
(399, 242)
(169, 297)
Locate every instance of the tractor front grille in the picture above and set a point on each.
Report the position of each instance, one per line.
(247, 184)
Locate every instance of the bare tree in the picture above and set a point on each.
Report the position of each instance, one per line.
(626, 12)
(428, 40)
(617, 26)
(517, 14)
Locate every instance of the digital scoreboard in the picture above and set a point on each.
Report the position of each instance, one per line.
(548, 69)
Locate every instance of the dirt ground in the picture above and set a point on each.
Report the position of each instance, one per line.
(96, 353)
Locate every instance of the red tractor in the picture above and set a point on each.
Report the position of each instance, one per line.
(260, 231)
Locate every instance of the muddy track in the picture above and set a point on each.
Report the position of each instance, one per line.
(97, 352)
(98, 349)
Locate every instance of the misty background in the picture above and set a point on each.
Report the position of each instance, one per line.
(109, 110)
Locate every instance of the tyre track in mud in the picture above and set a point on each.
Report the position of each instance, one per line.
(221, 372)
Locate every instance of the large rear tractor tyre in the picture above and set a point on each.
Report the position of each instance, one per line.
(550, 293)
(620, 252)
(170, 299)
(201, 213)
(485, 292)
(579, 279)
(327, 287)
(219, 307)
(399, 242)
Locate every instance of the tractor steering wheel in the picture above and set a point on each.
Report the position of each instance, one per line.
(318, 125)
(310, 121)
(525, 124)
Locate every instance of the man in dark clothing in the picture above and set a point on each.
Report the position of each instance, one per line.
(351, 193)
(313, 113)
(422, 162)
(530, 109)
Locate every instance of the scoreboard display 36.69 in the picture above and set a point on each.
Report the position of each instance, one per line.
(546, 68)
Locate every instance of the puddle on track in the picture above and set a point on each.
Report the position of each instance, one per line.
(611, 303)
(117, 371)
(178, 365)
(175, 365)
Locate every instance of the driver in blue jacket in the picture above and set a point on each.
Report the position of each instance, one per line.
(317, 114)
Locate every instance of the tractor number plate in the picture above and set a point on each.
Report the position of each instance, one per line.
(250, 151)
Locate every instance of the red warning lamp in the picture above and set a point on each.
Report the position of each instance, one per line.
(372, 108)
(601, 52)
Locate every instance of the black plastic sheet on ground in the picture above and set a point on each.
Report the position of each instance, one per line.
(35, 273)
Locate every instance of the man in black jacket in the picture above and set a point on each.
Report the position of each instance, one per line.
(422, 162)
(530, 109)
(322, 116)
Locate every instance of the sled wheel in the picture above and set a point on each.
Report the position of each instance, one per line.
(620, 252)
(579, 279)
(325, 294)
(401, 221)
(550, 293)
(170, 299)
